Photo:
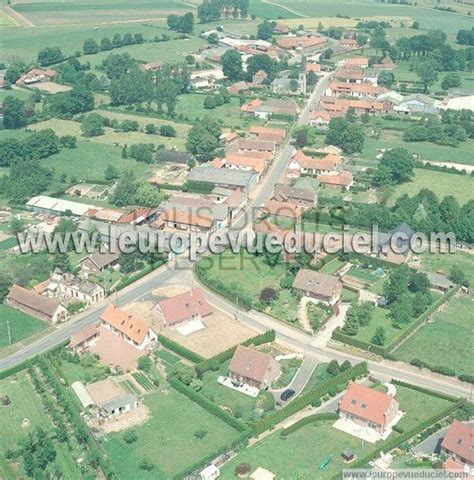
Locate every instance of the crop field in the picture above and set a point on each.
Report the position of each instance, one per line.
(21, 417)
(438, 343)
(22, 327)
(460, 186)
(168, 440)
(49, 14)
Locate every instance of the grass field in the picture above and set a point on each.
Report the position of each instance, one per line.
(110, 137)
(27, 405)
(442, 263)
(73, 13)
(447, 341)
(191, 106)
(332, 266)
(244, 272)
(22, 327)
(443, 184)
(167, 438)
(424, 150)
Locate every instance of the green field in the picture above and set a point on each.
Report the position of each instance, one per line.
(443, 184)
(49, 14)
(191, 107)
(332, 266)
(23, 328)
(425, 150)
(167, 438)
(447, 341)
(26, 405)
(443, 262)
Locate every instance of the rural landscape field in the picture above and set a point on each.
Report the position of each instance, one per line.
(236, 239)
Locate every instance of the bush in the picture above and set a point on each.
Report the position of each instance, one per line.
(317, 417)
(180, 350)
(167, 131)
(130, 436)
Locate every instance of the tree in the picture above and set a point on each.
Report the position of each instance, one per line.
(68, 141)
(231, 62)
(396, 166)
(50, 55)
(142, 152)
(14, 72)
(151, 129)
(144, 363)
(209, 102)
(386, 79)
(187, 23)
(427, 71)
(146, 464)
(92, 125)
(265, 30)
(167, 131)
(106, 44)
(262, 62)
(184, 373)
(451, 80)
(110, 172)
(397, 284)
(90, 47)
(379, 336)
(347, 135)
(61, 260)
(203, 139)
(268, 295)
(130, 435)
(457, 275)
(333, 368)
(351, 326)
(401, 311)
(147, 195)
(14, 113)
(213, 39)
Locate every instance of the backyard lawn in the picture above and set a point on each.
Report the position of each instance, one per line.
(460, 186)
(227, 398)
(168, 438)
(443, 262)
(22, 327)
(440, 342)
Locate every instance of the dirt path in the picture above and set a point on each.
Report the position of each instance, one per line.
(286, 8)
(18, 17)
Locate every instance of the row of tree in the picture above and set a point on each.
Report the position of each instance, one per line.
(213, 10)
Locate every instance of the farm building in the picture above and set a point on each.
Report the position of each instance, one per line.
(223, 177)
(56, 206)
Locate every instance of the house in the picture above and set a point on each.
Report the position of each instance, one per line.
(281, 209)
(242, 161)
(188, 307)
(35, 75)
(400, 251)
(184, 220)
(151, 66)
(262, 474)
(55, 206)
(98, 262)
(385, 64)
(297, 196)
(83, 339)
(313, 67)
(110, 399)
(336, 106)
(269, 134)
(362, 62)
(326, 288)
(314, 165)
(248, 144)
(132, 330)
(440, 282)
(229, 138)
(368, 408)
(305, 44)
(418, 103)
(238, 87)
(349, 75)
(319, 119)
(34, 304)
(206, 78)
(235, 202)
(349, 43)
(259, 77)
(281, 29)
(254, 368)
(224, 177)
(272, 106)
(458, 443)
(339, 180)
(358, 90)
(211, 472)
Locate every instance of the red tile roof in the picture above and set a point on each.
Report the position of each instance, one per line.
(366, 403)
(459, 439)
(293, 42)
(313, 67)
(83, 335)
(251, 106)
(282, 209)
(184, 306)
(250, 363)
(343, 179)
(185, 217)
(132, 327)
(329, 162)
(259, 131)
(256, 164)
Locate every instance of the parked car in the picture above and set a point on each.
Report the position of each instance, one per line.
(287, 394)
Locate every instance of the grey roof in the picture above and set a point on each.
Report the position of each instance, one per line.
(221, 176)
(173, 156)
(420, 97)
(384, 238)
(307, 183)
(118, 402)
(438, 280)
(101, 260)
(297, 193)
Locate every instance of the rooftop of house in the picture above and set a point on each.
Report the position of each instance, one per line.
(185, 217)
(305, 41)
(82, 335)
(459, 439)
(129, 325)
(328, 162)
(296, 193)
(250, 363)
(222, 176)
(343, 179)
(257, 164)
(185, 306)
(32, 300)
(257, 145)
(258, 131)
(102, 259)
(282, 209)
(316, 282)
(366, 403)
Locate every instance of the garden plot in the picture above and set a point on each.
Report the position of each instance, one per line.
(171, 173)
(89, 190)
